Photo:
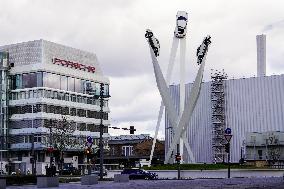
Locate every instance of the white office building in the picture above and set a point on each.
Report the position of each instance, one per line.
(42, 83)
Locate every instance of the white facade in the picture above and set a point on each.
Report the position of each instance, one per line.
(252, 105)
(49, 81)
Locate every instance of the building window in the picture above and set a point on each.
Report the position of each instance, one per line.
(127, 150)
(73, 111)
(78, 86)
(71, 84)
(29, 80)
(81, 113)
(81, 126)
(63, 83)
(40, 156)
(39, 79)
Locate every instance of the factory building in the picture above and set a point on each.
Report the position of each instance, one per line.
(251, 105)
(44, 83)
(245, 105)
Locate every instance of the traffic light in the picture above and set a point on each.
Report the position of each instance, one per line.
(178, 157)
(87, 151)
(227, 147)
(132, 130)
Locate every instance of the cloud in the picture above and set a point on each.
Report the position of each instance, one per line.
(114, 30)
(279, 24)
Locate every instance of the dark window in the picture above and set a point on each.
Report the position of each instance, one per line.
(58, 110)
(91, 127)
(65, 111)
(81, 126)
(73, 98)
(105, 129)
(260, 154)
(16, 81)
(73, 111)
(29, 80)
(81, 113)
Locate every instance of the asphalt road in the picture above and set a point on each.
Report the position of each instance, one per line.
(239, 183)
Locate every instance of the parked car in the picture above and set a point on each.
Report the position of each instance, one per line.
(2, 172)
(181, 24)
(139, 174)
(69, 171)
(154, 42)
(96, 171)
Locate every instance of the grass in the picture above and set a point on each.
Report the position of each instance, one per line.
(198, 167)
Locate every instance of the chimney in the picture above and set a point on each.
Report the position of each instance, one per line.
(261, 55)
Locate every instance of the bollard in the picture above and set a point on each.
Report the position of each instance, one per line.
(2, 183)
(121, 178)
(46, 182)
(89, 180)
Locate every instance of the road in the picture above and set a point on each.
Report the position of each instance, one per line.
(238, 183)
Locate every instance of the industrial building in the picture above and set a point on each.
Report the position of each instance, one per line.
(264, 148)
(245, 105)
(43, 83)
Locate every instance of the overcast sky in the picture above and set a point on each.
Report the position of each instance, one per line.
(114, 31)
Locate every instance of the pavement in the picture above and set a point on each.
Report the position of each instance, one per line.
(238, 183)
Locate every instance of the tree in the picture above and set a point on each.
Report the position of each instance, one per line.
(62, 138)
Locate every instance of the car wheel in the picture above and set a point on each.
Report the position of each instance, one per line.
(147, 178)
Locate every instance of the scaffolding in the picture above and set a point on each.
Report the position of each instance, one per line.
(218, 114)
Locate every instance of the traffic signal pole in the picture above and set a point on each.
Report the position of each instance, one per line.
(101, 130)
(229, 165)
(178, 161)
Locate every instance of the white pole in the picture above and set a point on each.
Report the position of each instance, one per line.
(182, 86)
(168, 78)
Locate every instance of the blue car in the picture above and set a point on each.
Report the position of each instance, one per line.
(139, 174)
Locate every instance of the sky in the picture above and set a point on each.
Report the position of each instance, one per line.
(114, 30)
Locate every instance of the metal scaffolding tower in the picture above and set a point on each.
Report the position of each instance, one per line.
(218, 114)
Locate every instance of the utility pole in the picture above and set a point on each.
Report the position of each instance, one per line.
(178, 158)
(228, 137)
(101, 130)
(50, 142)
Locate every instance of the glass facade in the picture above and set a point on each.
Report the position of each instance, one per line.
(56, 81)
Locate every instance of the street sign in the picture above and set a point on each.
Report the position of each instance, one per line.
(228, 137)
(89, 139)
(228, 131)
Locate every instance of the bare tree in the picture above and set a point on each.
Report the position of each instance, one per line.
(62, 138)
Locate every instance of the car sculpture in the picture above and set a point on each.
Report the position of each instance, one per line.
(154, 42)
(202, 49)
(181, 24)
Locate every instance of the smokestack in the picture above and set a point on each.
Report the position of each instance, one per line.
(261, 55)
